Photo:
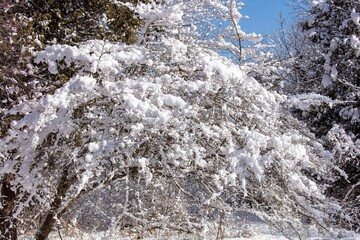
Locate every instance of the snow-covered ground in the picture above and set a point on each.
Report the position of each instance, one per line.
(253, 231)
(251, 235)
(246, 226)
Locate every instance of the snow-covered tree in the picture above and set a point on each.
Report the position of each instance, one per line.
(30, 25)
(328, 80)
(181, 133)
(225, 34)
(15, 87)
(334, 29)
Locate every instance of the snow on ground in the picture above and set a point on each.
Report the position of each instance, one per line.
(246, 227)
(253, 231)
(108, 236)
(102, 236)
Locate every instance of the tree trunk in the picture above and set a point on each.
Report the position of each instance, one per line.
(50, 218)
(7, 222)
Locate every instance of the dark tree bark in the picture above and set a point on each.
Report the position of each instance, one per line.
(7, 222)
(50, 218)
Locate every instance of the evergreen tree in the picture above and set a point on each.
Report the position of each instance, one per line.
(76, 21)
(15, 87)
(334, 29)
(32, 25)
(329, 81)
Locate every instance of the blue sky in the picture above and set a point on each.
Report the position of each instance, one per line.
(264, 15)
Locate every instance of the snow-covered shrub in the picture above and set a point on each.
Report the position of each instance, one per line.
(179, 132)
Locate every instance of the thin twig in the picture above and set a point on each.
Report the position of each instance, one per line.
(58, 229)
